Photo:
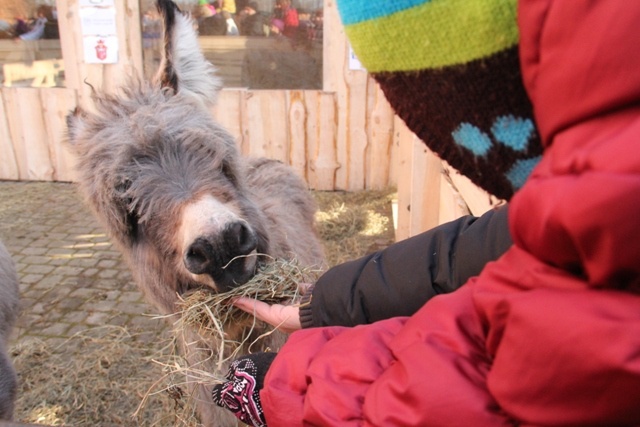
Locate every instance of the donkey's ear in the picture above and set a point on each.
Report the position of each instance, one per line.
(184, 67)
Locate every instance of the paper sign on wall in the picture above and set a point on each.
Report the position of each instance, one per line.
(99, 34)
(91, 3)
(98, 21)
(354, 62)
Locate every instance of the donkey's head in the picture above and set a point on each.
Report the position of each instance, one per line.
(165, 179)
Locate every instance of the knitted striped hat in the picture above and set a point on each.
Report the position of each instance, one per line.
(450, 70)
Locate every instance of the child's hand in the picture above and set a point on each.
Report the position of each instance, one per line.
(285, 318)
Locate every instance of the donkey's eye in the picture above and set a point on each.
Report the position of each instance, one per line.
(229, 173)
(123, 185)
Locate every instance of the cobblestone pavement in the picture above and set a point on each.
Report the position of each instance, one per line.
(85, 339)
(71, 277)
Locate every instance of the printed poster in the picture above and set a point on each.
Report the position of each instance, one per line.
(99, 33)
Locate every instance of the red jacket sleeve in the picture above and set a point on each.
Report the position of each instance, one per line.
(393, 372)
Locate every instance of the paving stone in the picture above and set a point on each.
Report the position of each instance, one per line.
(103, 306)
(31, 278)
(84, 261)
(30, 250)
(84, 293)
(38, 269)
(60, 251)
(130, 296)
(107, 274)
(71, 303)
(132, 308)
(108, 263)
(97, 318)
(56, 330)
(67, 270)
(33, 259)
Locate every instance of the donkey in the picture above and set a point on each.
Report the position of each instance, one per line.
(187, 211)
(9, 302)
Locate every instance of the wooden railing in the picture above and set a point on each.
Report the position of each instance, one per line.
(255, 62)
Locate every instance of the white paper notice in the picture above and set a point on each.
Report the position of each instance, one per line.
(99, 39)
(354, 62)
(98, 21)
(85, 3)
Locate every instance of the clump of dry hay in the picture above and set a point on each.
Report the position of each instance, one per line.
(274, 283)
(208, 313)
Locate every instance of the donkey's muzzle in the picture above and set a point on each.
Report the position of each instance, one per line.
(223, 256)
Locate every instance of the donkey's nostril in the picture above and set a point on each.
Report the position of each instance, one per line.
(244, 238)
(198, 256)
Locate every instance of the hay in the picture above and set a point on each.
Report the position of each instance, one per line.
(209, 313)
(274, 283)
(354, 224)
(101, 384)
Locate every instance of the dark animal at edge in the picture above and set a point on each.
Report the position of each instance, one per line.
(9, 310)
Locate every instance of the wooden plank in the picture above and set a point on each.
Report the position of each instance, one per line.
(70, 42)
(477, 200)
(335, 66)
(325, 158)
(227, 112)
(379, 153)
(16, 130)
(274, 104)
(356, 138)
(131, 31)
(245, 140)
(255, 140)
(8, 161)
(418, 185)
(297, 132)
(267, 124)
(451, 204)
(312, 105)
(403, 138)
(57, 103)
(28, 133)
(425, 188)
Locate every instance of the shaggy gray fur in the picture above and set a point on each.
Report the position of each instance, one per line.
(9, 302)
(153, 150)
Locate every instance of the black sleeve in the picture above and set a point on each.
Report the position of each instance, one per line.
(398, 280)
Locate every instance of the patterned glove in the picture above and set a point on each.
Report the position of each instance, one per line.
(241, 394)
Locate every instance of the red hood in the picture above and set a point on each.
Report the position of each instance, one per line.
(580, 207)
(579, 59)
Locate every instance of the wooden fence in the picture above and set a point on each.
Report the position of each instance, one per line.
(296, 127)
(343, 137)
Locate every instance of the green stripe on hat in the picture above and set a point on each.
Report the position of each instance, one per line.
(435, 34)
